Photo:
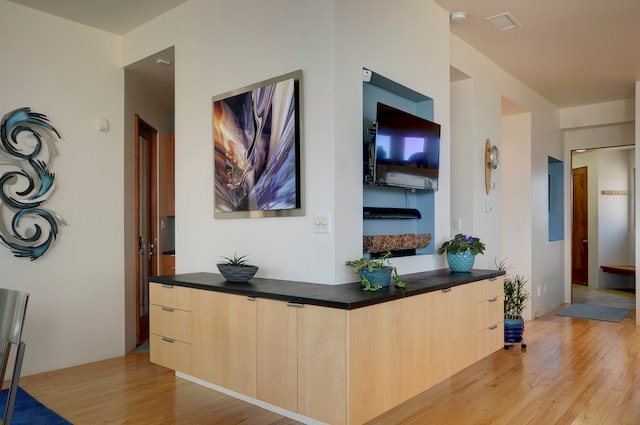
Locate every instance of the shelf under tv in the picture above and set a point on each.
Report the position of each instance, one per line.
(377, 213)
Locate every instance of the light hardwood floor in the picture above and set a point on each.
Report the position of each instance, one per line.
(574, 371)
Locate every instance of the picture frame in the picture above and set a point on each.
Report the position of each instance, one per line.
(257, 149)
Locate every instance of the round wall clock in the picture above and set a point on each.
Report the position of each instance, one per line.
(494, 157)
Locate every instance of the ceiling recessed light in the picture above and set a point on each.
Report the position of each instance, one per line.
(503, 21)
(457, 17)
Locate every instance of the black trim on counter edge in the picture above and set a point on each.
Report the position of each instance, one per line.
(347, 296)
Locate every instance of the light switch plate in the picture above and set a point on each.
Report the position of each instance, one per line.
(322, 223)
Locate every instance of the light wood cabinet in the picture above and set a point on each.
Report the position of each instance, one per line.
(322, 364)
(490, 316)
(224, 340)
(277, 354)
(375, 360)
(170, 326)
(417, 343)
(301, 363)
(338, 366)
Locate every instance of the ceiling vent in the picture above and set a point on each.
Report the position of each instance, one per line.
(504, 21)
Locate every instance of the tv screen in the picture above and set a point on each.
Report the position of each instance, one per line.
(407, 149)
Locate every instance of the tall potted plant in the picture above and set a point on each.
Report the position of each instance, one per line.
(515, 299)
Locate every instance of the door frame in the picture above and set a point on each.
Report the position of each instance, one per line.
(141, 126)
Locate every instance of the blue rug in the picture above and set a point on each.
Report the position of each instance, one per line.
(29, 411)
(595, 312)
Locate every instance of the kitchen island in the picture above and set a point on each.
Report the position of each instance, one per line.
(324, 353)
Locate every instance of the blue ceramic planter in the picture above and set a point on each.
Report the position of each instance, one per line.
(513, 330)
(380, 277)
(461, 261)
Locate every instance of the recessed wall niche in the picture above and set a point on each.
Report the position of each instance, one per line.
(405, 215)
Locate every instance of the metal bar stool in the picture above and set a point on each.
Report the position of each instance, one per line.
(13, 307)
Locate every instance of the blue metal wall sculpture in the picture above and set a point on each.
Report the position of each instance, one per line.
(27, 146)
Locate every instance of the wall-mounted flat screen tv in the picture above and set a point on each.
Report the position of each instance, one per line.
(405, 151)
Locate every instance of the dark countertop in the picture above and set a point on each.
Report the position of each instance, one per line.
(347, 296)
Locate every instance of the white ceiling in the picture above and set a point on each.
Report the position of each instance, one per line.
(115, 16)
(572, 52)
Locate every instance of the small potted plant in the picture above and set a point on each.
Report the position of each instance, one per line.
(461, 251)
(375, 273)
(236, 269)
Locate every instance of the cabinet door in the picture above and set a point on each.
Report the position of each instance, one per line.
(375, 360)
(454, 336)
(277, 351)
(417, 344)
(224, 340)
(463, 334)
(322, 368)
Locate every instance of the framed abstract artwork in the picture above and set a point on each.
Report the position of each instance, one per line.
(257, 149)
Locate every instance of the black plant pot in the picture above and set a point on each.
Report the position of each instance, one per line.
(237, 274)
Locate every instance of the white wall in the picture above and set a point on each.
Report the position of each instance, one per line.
(462, 131)
(330, 43)
(70, 73)
(491, 84)
(516, 216)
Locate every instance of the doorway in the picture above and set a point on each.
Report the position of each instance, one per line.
(602, 237)
(146, 195)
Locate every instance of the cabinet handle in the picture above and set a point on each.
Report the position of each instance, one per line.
(296, 305)
(446, 290)
(492, 327)
(169, 309)
(251, 298)
(167, 339)
(493, 278)
(166, 285)
(492, 300)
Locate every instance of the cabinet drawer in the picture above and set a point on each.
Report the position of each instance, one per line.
(172, 354)
(170, 296)
(490, 312)
(170, 322)
(490, 339)
(490, 288)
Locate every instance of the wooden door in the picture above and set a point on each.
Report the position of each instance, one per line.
(579, 228)
(146, 211)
